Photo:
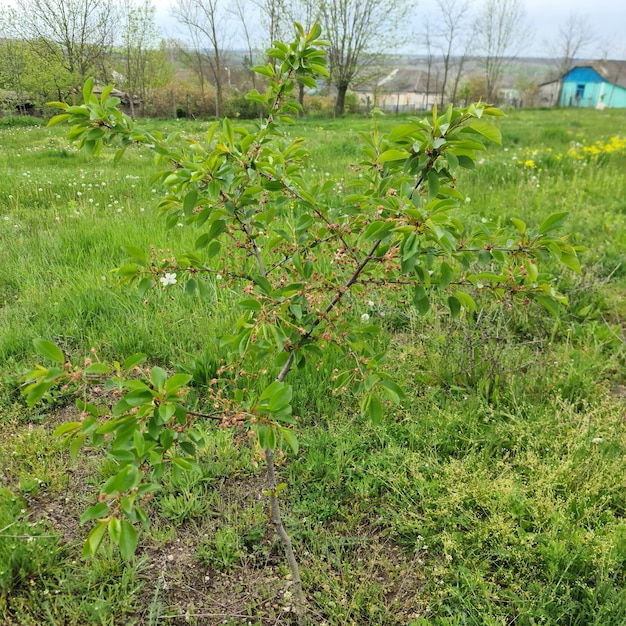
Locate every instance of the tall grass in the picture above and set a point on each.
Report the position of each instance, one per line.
(493, 496)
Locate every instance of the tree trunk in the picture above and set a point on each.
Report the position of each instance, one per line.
(298, 604)
(340, 102)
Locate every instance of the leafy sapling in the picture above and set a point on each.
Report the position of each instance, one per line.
(305, 257)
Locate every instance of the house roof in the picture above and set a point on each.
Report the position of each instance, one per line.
(402, 80)
(612, 71)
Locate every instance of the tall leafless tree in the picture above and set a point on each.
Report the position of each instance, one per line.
(240, 12)
(575, 36)
(501, 31)
(454, 36)
(356, 29)
(428, 40)
(205, 23)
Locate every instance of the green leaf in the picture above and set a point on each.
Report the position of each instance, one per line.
(189, 203)
(375, 409)
(36, 393)
(176, 382)
(281, 399)
(455, 306)
(216, 229)
(250, 305)
(549, 304)
(87, 90)
(487, 130)
(393, 155)
(446, 274)
(94, 539)
(133, 361)
(184, 464)
(136, 253)
(265, 70)
(139, 442)
(267, 437)
(264, 284)
(158, 376)
(466, 301)
(465, 161)
(571, 260)
(137, 397)
(57, 119)
(68, 427)
(127, 478)
(94, 512)
(393, 390)
(521, 226)
(433, 185)
(553, 222)
(128, 540)
(290, 438)
(421, 300)
(76, 445)
(97, 369)
(276, 397)
(49, 350)
(115, 529)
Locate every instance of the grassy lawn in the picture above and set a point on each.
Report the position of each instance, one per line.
(494, 495)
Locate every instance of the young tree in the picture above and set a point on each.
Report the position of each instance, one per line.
(77, 34)
(306, 261)
(205, 24)
(356, 30)
(139, 38)
(501, 30)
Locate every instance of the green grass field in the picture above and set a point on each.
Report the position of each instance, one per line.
(494, 495)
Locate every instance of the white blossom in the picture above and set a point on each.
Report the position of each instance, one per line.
(168, 279)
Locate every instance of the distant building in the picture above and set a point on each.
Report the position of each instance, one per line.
(597, 84)
(12, 103)
(400, 90)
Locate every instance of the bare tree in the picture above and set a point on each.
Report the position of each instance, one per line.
(454, 35)
(205, 23)
(78, 33)
(575, 35)
(356, 29)
(501, 30)
(428, 42)
(240, 11)
(274, 19)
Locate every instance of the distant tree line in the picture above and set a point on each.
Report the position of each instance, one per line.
(49, 47)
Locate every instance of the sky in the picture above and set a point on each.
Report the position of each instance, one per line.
(607, 18)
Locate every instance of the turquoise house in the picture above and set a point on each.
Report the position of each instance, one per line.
(598, 84)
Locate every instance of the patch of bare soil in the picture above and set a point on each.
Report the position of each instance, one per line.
(180, 589)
